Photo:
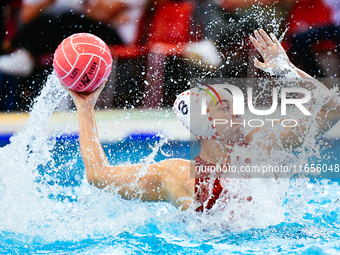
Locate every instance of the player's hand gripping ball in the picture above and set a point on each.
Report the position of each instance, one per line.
(82, 62)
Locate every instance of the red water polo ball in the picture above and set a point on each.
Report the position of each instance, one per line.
(82, 62)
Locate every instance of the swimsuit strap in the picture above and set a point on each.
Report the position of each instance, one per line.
(216, 192)
(202, 187)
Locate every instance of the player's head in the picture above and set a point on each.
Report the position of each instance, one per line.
(216, 122)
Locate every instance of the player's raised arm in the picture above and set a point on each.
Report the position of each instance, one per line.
(83, 62)
(276, 61)
(164, 181)
(98, 169)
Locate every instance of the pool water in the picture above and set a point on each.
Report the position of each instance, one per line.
(47, 206)
(103, 223)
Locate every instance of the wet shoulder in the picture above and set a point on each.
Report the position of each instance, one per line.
(176, 178)
(176, 169)
(175, 164)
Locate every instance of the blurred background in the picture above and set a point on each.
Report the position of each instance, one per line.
(159, 45)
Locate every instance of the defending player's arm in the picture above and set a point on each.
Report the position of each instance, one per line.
(157, 184)
(276, 61)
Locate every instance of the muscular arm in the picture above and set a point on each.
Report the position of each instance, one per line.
(165, 181)
(276, 61)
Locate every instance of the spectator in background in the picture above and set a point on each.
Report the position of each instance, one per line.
(128, 21)
(45, 23)
(9, 10)
(301, 44)
(217, 24)
(7, 18)
(227, 24)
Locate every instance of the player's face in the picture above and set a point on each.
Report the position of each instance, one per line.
(224, 111)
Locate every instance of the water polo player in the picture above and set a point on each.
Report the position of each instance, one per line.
(170, 180)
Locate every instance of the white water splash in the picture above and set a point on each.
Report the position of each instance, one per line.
(26, 209)
(21, 203)
(25, 204)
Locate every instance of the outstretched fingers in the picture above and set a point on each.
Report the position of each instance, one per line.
(273, 37)
(270, 49)
(256, 44)
(266, 38)
(260, 49)
(276, 41)
(260, 39)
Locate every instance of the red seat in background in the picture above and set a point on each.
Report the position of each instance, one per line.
(306, 15)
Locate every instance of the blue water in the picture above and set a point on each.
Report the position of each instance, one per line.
(158, 227)
(47, 206)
